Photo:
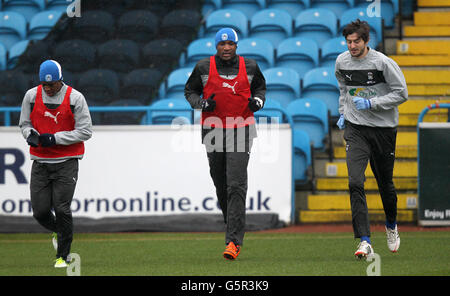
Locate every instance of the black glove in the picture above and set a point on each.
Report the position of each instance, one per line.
(255, 104)
(209, 104)
(33, 138)
(47, 140)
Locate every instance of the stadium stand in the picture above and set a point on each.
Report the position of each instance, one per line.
(197, 50)
(166, 111)
(274, 25)
(108, 77)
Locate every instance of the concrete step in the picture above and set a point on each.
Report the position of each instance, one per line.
(416, 106)
(433, 3)
(412, 119)
(426, 31)
(421, 60)
(408, 152)
(429, 89)
(345, 216)
(401, 169)
(404, 138)
(432, 18)
(334, 184)
(405, 201)
(423, 47)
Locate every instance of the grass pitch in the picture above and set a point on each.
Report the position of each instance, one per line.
(200, 254)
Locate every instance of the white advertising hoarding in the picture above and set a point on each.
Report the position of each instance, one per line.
(152, 170)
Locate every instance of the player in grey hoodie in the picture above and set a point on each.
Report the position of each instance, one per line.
(371, 87)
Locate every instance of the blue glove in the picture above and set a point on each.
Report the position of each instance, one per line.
(361, 103)
(341, 122)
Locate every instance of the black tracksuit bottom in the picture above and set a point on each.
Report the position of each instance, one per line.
(52, 187)
(228, 170)
(377, 146)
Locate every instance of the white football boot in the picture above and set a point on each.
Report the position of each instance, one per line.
(393, 239)
(364, 250)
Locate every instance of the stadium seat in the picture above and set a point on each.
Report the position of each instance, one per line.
(28, 8)
(331, 49)
(59, 5)
(120, 55)
(138, 25)
(337, 6)
(173, 87)
(210, 5)
(13, 85)
(270, 113)
(248, 7)
(351, 15)
(162, 54)
(293, 7)
(321, 83)
(388, 10)
(300, 54)
(311, 116)
(99, 86)
(283, 85)
(13, 28)
(319, 24)
(258, 49)
(225, 18)
(302, 156)
(75, 55)
(141, 85)
(37, 52)
(181, 24)
(15, 52)
(274, 25)
(3, 57)
(165, 114)
(95, 26)
(197, 50)
(123, 117)
(42, 23)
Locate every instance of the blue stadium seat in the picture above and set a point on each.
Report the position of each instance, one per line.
(15, 52)
(248, 7)
(293, 7)
(321, 83)
(3, 57)
(258, 49)
(311, 116)
(60, 5)
(168, 115)
(173, 87)
(141, 85)
(28, 8)
(13, 28)
(274, 25)
(99, 86)
(225, 18)
(42, 23)
(300, 54)
(302, 156)
(197, 50)
(337, 6)
(268, 115)
(283, 85)
(388, 10)
(13, 85)
(95, 26)
(331, 49)
(210, 5)
(120, 55)
(123, 117)
(181, 24)
(319, 24)
(75, 55)
(138, 25)
(161, 54)
(376, 30)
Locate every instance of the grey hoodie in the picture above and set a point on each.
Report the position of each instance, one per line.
(375, 77)
(80, 110)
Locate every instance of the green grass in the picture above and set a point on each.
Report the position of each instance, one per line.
(192, 254)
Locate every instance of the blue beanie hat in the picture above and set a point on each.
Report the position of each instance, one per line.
(49, 71)
(225, 34)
